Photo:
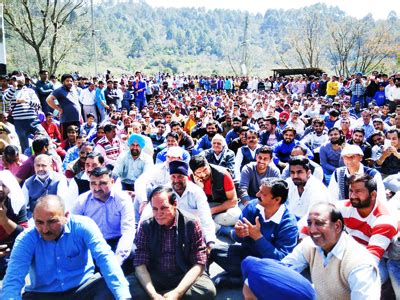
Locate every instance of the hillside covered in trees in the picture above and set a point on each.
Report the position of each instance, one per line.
(134, 36)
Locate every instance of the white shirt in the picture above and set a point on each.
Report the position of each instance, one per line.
(88, 97)
(314, 191)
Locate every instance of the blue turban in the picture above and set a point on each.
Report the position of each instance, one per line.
(269, 279)
(138, 139)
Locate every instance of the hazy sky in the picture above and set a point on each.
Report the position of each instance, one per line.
(355, 8)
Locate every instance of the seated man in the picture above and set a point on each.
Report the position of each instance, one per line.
(220, 155)
(132, 163)
(266, 229)
(219, 188)
(78, 165)
(304, 188)
(332, 256)
(185, 140)
(12, 216)
(111, 209)
(155, 176)
(283, 148)
(254, 172)
(247, 153)
(172, 140)
(80, 183)
(109, 146)
(45, 181)
(369, 220)
(170, 257)
(190, 199)
(56, 254)
(316, 169)
(352, 156)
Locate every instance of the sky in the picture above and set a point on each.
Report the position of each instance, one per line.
(355, 8)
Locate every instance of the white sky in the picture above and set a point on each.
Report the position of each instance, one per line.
(355, 8)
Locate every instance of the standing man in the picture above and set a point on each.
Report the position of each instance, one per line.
(170, 257)
(139, 91)
(111, 209)
(68, 104)
(88, 100)
(56, 254)
(24, 104)
(44, 87)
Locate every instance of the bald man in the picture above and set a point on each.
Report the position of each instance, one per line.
(56, 255)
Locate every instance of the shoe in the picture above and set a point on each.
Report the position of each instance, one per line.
(226, 280)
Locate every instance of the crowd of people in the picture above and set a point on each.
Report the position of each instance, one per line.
(130, 187)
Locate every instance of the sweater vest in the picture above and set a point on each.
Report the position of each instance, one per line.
(341, 179)
(184, 232)
(331, 282)
(247, 156)
(217, 184)
(37, 190)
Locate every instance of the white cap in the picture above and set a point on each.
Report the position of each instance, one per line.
(351, 150)
(175, 151)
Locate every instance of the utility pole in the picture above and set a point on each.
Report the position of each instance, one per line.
(3, 60)
(243, 61)
(94, 39)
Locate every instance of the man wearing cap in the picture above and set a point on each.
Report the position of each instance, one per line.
(296, 122)
(191, 198)
(68, 104)
(111, 209)
(352, 156)
(132, 163)
(220, 155)
(283, 118)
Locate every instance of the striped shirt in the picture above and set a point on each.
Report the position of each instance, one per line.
(376, 231)
(109, 150)
(25, 110)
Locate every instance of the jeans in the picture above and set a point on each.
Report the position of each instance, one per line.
(24, 128)
(393, 267)
(360, 99)
(140, 103)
